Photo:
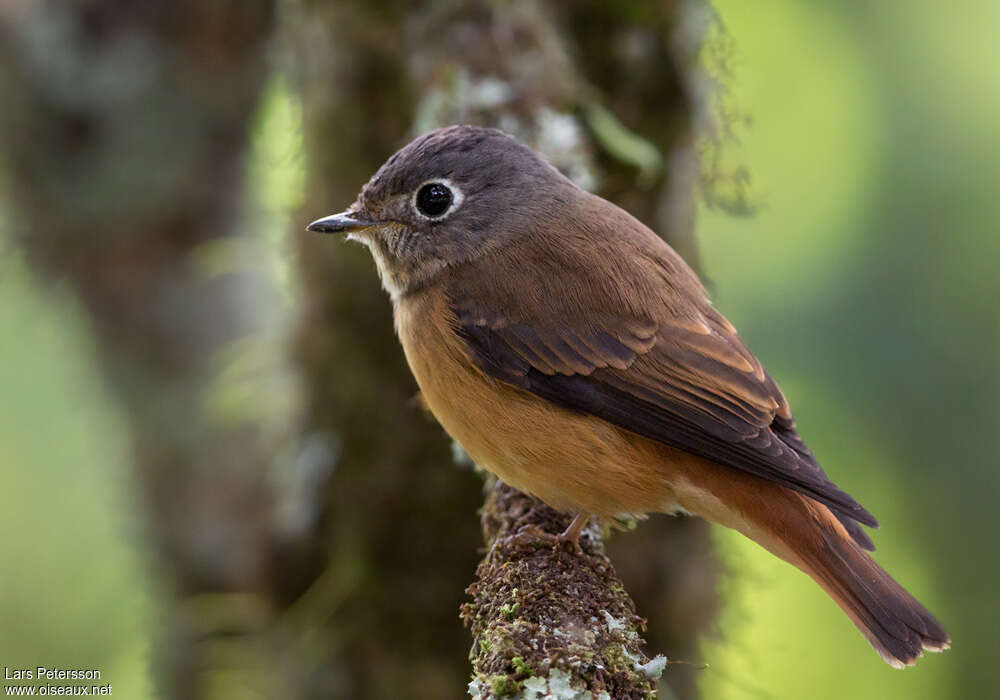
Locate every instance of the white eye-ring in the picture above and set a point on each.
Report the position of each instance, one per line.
(436, 199)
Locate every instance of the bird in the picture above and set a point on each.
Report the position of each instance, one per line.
(574, 354)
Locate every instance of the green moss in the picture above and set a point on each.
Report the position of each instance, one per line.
(508, 611)
(522, 599)
(614, 655)
(522, 667)
(504, 685)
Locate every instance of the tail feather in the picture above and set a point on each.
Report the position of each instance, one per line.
(898, 626)
(813, 538)
(856, 532)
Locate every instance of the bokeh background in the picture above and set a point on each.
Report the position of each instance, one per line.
(862, 267)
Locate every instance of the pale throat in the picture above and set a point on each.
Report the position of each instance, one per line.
(396, 280)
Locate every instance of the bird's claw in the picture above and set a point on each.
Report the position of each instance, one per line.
(534, 535)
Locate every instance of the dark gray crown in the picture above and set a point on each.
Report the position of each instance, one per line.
(474, 156)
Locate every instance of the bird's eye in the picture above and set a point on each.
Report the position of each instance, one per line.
(433, 199)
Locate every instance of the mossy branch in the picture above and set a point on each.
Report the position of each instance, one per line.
(548, 621)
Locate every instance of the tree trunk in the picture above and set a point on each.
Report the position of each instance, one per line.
(123, 129)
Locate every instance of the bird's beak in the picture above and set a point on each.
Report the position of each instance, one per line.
(344, 222)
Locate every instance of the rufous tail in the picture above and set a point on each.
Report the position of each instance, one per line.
(808, 535)
(813, 539)
(895, 623)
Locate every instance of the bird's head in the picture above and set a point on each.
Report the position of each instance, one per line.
(448, 197)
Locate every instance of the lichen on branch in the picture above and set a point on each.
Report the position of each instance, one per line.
(549, 621)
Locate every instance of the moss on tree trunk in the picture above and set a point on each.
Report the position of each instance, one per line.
(547, 620)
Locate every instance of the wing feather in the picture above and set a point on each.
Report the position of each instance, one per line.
(700, 392)
(614, 324)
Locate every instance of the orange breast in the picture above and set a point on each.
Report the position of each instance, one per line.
(570, 460)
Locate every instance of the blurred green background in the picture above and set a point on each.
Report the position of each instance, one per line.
(866, 280)
(868, 283)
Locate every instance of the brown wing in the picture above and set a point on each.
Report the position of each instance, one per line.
(683, 379)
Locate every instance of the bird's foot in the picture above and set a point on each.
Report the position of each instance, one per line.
(532, 534)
